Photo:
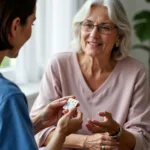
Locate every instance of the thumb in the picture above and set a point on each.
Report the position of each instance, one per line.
(72, 111)
(57, 104)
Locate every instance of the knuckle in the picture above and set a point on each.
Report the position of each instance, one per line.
(101, 138)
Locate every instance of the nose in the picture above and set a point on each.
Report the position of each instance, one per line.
(94, 32)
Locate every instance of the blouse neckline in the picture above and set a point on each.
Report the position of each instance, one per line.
(84, 84)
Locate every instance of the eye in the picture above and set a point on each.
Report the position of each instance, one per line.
(105, 27)
(88, 25)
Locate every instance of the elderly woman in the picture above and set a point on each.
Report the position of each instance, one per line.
(111, 86)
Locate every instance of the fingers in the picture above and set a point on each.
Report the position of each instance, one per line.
(95, 126)
(111, 147)
(95, 129)
(105, 114)
(78, 119)
(78, 105)
(59, 102)
(96, 122)
(89, 128)
(101, 141)
(65, 111)
(109, 142)
(79, 114)
(72, 111)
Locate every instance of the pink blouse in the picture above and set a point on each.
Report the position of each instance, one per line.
(125, 94)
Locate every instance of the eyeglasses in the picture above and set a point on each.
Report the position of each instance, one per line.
(103, 29)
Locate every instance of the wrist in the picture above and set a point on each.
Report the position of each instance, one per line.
(115, 129)
(57, 140)
(60, 132)
(117, 132)
(75, 141)
(37, 124)
(87, 141)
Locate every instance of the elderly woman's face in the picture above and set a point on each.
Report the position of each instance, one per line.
(98, 33)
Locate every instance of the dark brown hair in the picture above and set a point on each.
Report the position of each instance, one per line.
(9, 10)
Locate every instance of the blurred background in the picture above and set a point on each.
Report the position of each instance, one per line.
(52, 34)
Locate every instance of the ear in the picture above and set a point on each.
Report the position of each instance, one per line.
(15, 27)
(117, 42)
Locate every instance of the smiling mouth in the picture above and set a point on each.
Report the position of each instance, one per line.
(95, 43)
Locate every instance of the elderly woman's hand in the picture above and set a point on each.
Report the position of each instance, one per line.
(101, 142)
(108, 125)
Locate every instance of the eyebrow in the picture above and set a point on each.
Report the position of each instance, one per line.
(102, 23)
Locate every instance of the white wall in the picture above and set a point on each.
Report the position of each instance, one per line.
(133, 6)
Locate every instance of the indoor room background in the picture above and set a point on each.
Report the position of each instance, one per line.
(52, 34)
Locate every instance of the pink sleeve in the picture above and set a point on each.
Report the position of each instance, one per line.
(49, 91)
(138, 121)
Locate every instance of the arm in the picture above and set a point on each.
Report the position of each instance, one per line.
(138, 118)
(66, 125)
(135, 134)
(71, 141)
(16, 128)
(57, 141)
(37, 124)
(128, 144)
(110, 126)
(90, 142)
(49, 91)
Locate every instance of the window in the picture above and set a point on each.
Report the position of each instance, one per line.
(51, 34)
(6, 63)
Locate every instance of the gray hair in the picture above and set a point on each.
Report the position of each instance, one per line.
(117, 15)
